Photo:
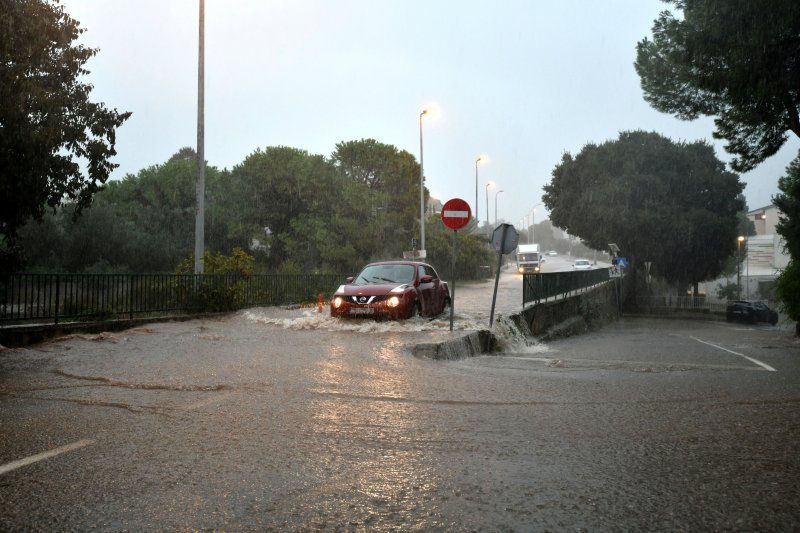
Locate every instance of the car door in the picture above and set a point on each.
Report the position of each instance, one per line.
(428, 288)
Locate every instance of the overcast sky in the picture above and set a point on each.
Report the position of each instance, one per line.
(520, 81)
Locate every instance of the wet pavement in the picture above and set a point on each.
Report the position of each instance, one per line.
(276, 419)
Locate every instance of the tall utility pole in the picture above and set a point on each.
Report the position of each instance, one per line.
(200, 185)
(476, 187)
(421, 188)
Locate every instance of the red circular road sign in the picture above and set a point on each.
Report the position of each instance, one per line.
(456, 213)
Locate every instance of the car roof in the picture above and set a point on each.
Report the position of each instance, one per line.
(398, 262)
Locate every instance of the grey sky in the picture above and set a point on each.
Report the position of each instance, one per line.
(521, 81)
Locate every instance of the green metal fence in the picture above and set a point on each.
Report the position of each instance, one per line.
(54, 298)
(544, 285)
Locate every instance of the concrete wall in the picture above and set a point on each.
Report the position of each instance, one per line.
(545, 321)
(573, 315)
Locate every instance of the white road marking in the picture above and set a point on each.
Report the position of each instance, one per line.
(756, 361)
(8, 467)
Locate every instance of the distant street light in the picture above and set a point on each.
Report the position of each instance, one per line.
(480, 158)
(495, 206)
(421, 188)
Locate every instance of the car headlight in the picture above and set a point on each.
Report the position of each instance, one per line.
(399, 288)
(521, 270)
(394, 301)
(337, 302)
(340, 289)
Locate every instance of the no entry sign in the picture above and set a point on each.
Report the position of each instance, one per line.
(456, 213)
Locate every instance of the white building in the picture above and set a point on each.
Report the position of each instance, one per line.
(765, 258)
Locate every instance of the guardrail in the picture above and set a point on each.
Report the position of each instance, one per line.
(544, 285)
(54, 298)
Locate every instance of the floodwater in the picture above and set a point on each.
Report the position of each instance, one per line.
(286, 419)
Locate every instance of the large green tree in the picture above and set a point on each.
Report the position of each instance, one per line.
(735, 60)
(49, 128)
(670, 203)
(273, 198)
(392, 177)
(788, 201)
(142, 223)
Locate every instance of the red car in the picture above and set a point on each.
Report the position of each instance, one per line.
(392, 289)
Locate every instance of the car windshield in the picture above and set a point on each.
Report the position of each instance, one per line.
(385, 274)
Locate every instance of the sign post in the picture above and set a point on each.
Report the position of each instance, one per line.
(504, 240)
(455, 214)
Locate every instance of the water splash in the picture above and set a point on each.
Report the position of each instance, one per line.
(305, 319)
(508, 337)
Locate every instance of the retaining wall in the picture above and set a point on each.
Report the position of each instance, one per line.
(572, 315)
(544, 321)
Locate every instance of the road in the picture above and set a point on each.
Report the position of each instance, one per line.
(276, 419)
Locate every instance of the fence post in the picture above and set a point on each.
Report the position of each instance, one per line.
(58, 298)
(130, 296)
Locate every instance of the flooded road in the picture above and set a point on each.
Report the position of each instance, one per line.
(276, 419)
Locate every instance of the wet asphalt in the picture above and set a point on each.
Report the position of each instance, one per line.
(276, 419)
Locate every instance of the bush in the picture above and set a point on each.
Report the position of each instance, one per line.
(222, 285)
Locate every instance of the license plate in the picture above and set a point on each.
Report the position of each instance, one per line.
(362, 311)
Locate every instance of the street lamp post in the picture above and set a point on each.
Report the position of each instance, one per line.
(739, 241)
(200, 183)
(495, 206)
(490, 184)
(747, 267)
(533, 223)
(421, 188)
(480, 157)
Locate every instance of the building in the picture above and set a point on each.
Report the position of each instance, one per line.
(764, 258)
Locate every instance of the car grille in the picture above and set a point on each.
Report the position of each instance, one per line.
(365, 300)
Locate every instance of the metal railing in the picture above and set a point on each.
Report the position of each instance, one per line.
(54, 298)
(544, 285)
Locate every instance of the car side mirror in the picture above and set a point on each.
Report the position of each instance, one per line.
(427, 278)
(349, 279)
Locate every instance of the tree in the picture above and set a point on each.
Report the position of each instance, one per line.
(392, 177)
(670, 203)
(271, 190)
(788, 202)
(735, 60)
(159, 202)
(48, 125)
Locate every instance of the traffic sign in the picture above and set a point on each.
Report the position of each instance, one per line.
(456, 213)
(505, 238)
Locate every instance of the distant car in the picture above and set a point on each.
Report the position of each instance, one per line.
(392, 289)
(752, 312)
(582, 264)
(552, 252)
